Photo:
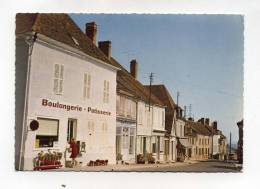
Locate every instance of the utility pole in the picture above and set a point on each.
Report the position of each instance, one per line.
(178, 111)
(151, 81)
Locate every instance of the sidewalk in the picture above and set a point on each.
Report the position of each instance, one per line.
(124, 168)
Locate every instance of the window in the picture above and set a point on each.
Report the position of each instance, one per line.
(106, 92)
(163, 119)
(140, 116)
(47, 132)
(104, 127)
(161, 144)
(125, 137)
(131, 145)
(86, 86)
(91, 127)
(58, 79)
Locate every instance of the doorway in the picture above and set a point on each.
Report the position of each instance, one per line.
(71, 129)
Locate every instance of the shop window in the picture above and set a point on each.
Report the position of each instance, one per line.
(58, 79)
(47, 132)
(106, 92)
(86, 86)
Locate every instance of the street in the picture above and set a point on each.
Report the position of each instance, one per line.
(188, 166)
(203, 166)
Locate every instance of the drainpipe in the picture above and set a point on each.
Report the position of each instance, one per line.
(30, 42)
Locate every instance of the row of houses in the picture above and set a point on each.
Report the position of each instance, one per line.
(72, 87)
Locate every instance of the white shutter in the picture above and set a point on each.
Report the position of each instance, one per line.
(107, 91)
(85, 86)
(56, 85)
(56, 70)
(61, 79)
(47, 127)
(88, 86)
(56, 78)
(104, 92)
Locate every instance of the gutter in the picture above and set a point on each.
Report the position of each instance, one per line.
(30, 40)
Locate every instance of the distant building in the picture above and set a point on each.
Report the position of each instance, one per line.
(240, 125)
(199, 138)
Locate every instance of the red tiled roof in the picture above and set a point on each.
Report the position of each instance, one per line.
(59, 27)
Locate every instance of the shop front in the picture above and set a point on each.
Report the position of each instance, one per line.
(125, 141)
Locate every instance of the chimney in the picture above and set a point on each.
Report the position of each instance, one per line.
(91, 31)
(202, 120)
(134, 68)
(105, 47)
(190, 119)
(207, 121)
(215, 125)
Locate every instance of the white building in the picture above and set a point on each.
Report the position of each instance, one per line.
(65, 83)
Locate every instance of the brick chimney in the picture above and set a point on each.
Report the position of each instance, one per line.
(215, 125)
(91, 31)
(207, 121)
(134, 68)
(105, 47)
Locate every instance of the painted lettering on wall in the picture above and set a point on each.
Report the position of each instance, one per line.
(51, 104)
(96, 111)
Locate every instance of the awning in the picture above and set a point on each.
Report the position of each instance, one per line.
(184, 142)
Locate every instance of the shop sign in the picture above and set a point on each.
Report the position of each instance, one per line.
(68, 107)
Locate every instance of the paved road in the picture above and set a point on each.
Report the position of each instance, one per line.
(204, 166)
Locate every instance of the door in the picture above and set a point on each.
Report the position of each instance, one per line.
(71, 129)
(144, 146)
(158, 148)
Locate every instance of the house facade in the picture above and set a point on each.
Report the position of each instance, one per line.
(199, 138)
(65, 87)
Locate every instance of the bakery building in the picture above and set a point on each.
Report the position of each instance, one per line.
(67, 85)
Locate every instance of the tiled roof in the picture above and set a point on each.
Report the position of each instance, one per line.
(161, 92)
(59, 27)
(126, 82)
(198, 128)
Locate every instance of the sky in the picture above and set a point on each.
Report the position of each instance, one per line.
(200, 56)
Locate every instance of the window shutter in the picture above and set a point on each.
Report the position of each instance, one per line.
(56, 78)
(88, 86)
(61, 86)
(104, 95)
(56, 85)
(48, 127)
(85, 86)
(107, 91)
(61, 79)
(56, 70)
